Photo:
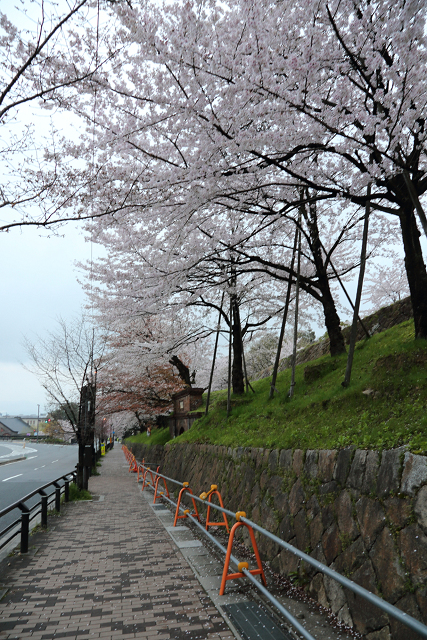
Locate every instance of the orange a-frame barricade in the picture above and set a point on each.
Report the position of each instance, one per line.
(133, 465)
(242, 565)
(185, 487)
(213, 491)
(129, 456)
(141, 469)
(153, 478)
(158, 494)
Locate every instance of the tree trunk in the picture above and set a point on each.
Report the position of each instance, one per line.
(332, 321)
(415, 269)
(183, 370)
(237, 376)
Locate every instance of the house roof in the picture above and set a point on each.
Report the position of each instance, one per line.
(5, 430)
(189, 391)
(16, 425)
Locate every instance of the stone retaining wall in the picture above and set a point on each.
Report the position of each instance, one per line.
(363, 513)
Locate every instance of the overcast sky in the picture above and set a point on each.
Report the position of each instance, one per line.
(38, 283)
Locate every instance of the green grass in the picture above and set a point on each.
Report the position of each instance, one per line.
(158, 436)
(323, 414)
(79, 494)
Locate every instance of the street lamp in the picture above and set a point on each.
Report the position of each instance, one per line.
(38, 417)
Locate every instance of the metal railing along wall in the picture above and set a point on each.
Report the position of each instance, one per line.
(391, 610)
(39, 508)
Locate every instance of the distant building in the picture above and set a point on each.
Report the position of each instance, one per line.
(32, 421)
(185, 401)
(16, 427)
(6, 431)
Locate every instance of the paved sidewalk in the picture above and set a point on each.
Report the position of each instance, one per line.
(106, 570)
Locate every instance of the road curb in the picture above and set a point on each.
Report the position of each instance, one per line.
(13, 460)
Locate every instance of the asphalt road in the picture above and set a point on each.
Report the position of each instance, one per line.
(44, 463)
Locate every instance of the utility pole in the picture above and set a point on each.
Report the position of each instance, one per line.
(38, 420)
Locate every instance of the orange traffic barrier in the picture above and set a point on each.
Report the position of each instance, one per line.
(185, 487)
(158, 494)
(133, 467)
(214, 492)
(128, 454)
(141, 469)
(242, 565)
(147, 482)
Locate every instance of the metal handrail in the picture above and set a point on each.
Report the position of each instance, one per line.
(27, 512)
(16, 504)
(400, 615)
(297, 625)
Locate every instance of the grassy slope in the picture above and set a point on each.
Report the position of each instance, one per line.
(158, 436)
(322, 413)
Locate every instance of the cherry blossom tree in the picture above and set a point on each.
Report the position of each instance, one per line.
(187, 125)
(55, 50)
(219, 113)
(372, 115)
(331, 97)
(184, 273)
(139, 377)
(386, 283)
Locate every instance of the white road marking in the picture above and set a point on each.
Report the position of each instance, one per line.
(54, 461)
(32, 458)
(11, 477)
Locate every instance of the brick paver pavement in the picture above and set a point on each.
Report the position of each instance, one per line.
(106, 570)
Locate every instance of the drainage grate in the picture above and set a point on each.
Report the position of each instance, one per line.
(253, 622)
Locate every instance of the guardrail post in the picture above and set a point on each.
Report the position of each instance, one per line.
(25, 527)
(67, 491)
(57, 497)
(44, 509)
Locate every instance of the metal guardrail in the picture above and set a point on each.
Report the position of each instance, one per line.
(29, 513)
(390, 609)
(289, 617)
